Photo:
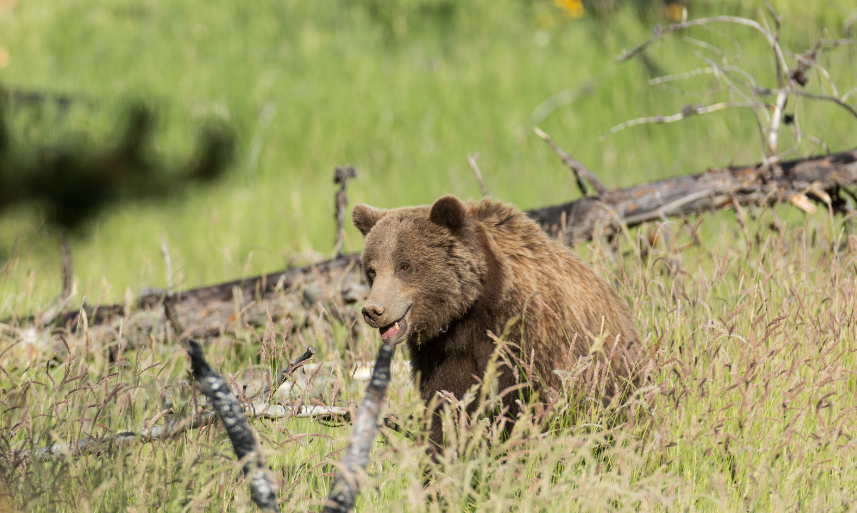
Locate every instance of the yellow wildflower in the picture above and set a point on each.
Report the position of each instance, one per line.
(676, 12)
(571, 8)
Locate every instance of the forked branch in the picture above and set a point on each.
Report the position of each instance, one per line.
(579, 170)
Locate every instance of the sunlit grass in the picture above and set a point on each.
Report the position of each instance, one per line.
(750, 404)
(312, 85)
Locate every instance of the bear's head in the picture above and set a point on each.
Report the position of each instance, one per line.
(424, 266)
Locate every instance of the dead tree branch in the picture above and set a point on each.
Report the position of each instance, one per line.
(340, 177)
(686, 112)
(579, 170)
(268, 392)
(262, 488)
(800, 181)
(676, 27)
(110, 443)
(352, 468)
(789, 83)
(67, 291)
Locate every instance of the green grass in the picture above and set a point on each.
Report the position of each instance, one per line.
(753, 340)
(750, 404)
(405, 109)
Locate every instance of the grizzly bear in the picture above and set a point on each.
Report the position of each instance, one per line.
(443, 276)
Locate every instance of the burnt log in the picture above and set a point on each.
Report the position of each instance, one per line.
(796, 181)
(819, 179)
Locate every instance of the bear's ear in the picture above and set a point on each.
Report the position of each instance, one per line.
(365, 217)
(448, 211)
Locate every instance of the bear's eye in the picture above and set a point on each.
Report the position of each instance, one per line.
(370, 275)
(404, 266)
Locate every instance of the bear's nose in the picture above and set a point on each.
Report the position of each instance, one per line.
(372, 311)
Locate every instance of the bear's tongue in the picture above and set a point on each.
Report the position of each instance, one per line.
(389, 331)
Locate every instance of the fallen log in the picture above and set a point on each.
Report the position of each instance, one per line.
(818, 178)
(821, 179)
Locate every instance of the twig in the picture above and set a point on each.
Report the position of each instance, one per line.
(826, 98)
(168, 264)
(341, 175)
(67, 291)
(773, 131)
(284, 374)
(472, 161)
(172, 429)
(579, 170)
(352, 467)
(686, 112)
(681, 76)
(675, 27)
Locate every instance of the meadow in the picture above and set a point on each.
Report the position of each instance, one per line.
(752, 330)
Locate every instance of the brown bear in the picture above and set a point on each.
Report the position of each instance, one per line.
(443, 276)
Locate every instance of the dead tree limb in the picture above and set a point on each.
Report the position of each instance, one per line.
(262, 488)
(819, 178)
(110, 443)
(740, 83)
(211, 306)
(268, 391)
(67, 291)
(340, 177)
(822, 179)
(352, 468)
(579, 170)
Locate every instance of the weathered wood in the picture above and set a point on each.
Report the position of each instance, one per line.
(209, 310)
(262, 488)
(797, 181)
(351, 472)
(818, 178)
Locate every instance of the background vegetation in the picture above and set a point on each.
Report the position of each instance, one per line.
(403, 90)
(753, 339)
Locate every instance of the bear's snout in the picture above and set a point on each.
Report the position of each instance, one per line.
(372, 313)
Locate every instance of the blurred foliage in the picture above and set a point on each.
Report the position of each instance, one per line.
(74, 180)
(397, 16)
(308, 86)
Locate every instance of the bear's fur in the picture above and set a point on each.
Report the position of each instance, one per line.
(442, 276)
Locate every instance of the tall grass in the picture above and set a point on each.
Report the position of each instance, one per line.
(312, 85)
(749, 404)
(752, 335)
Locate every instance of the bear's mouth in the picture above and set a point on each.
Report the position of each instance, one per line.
(395, 330)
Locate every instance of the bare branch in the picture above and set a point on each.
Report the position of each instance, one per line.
(110, 443)
(675, 27)
(686, 112)
(284, 374)
(826, 98)
(681, 76)
(67, 291)
(226, 405)
(167, 263)
(579, 170)
(341, 176)
(352, 467)
(773, 131)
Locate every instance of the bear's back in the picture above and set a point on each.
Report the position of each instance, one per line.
(565, 306)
